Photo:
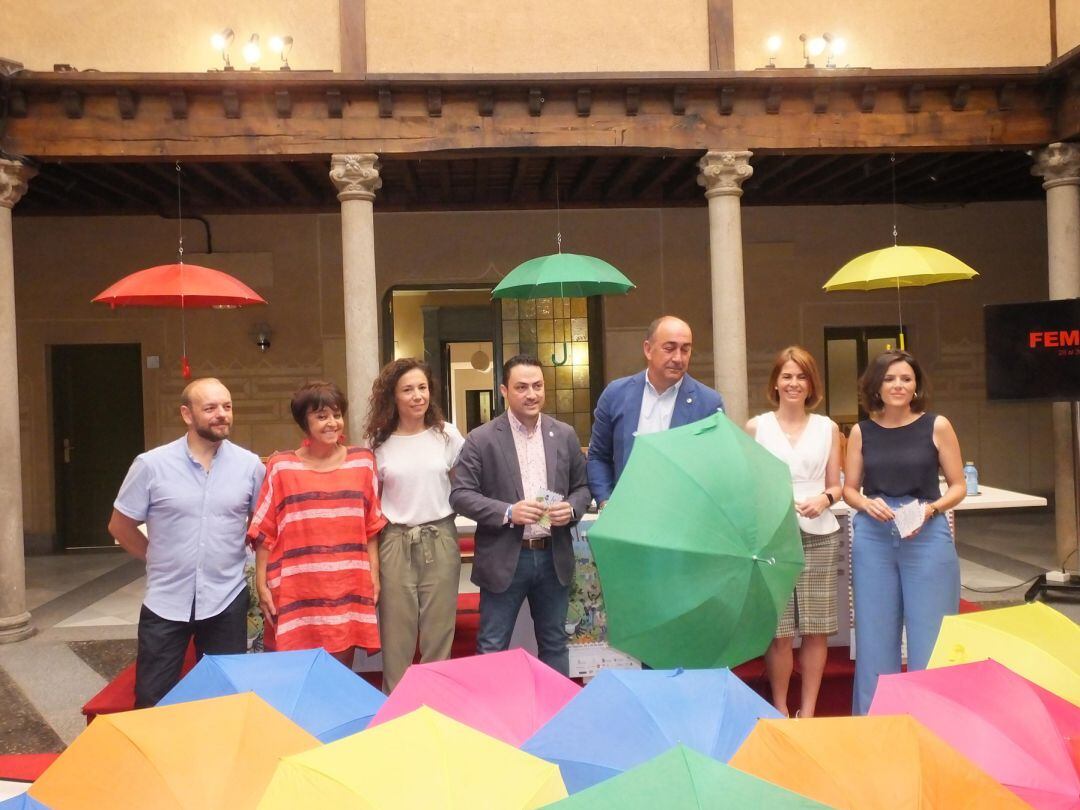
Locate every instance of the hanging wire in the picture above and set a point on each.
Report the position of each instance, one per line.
(184, 367)
(558, 214)
(899, 312)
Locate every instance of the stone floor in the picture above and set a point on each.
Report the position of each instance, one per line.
(85, 607)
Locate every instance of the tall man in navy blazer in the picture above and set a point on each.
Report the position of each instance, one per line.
(660, 397)
(501, 469)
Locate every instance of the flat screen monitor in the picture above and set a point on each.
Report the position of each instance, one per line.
(1033, 350)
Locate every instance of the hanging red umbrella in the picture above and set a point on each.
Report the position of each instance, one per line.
(180, 286)
(184, 286)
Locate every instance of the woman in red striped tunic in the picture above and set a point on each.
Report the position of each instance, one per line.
(315, 532)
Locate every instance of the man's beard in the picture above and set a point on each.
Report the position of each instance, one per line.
(208, 433)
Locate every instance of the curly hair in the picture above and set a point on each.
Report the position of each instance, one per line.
(382, 406)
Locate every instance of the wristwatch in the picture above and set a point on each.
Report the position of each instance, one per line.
(828, 495)
(507, 520)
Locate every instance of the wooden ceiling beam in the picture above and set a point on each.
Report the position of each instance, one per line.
(249, 176)
(666, 169)
(911, 110)
(586, 177)
(517, 183)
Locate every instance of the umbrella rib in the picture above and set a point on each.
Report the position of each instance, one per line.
(146, 756)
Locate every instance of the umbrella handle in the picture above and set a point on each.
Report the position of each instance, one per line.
(766, 560)
(565, 356)
(185, 368)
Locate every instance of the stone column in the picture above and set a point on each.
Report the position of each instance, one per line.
(14, 619)
(1059, 164)
(722, 175)
(357, 178)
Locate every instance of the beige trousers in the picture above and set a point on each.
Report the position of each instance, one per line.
(419, 571)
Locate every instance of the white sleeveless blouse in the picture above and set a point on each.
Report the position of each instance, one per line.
(807, 460)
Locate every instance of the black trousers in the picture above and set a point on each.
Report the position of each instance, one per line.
(163, 642)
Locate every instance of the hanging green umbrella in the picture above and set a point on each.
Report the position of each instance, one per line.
(698, 549)
(683, 779)
(562, 275)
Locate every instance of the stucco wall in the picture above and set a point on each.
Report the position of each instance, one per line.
(463, 36)
(891, 34)
(1068, 26)
(789, 252)
(134, 35)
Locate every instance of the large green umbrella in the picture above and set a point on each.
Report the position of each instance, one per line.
(683, 779)
(562, 275)
(698, 549)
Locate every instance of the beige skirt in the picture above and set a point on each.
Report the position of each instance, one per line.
(812, 608)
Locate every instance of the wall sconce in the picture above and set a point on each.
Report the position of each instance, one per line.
(812, 47)
(222, 41)
(261, 333)
(282, 46)
(772, 45)
(837, 47)
(252, 51)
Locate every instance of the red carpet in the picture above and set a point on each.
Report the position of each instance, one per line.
(24, 767)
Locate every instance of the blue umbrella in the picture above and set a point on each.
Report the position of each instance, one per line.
(310, 687)
(24, 801)
(625, 717)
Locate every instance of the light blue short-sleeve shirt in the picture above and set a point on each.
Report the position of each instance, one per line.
(195, 523)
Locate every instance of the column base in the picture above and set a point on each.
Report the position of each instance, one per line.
(15, 628)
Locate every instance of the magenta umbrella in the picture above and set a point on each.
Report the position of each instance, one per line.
(1016, 731)
(507, 695)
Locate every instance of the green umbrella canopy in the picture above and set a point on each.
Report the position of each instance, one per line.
(698, 549)
(562, 275)
(683, 779)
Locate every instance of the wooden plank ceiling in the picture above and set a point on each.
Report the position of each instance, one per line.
(527, 181)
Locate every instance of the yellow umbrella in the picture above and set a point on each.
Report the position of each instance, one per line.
(1032, 640)
(899, 266)
(420, 760)
(203, 755)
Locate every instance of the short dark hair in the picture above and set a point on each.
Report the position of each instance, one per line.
(518, 360)
(804, 360)
(314, 396)
(871, 380)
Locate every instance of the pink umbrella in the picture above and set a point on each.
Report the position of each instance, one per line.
(506, 695)
(1018, 732)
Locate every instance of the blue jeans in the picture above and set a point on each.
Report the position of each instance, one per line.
(535, 579)
(899, 583)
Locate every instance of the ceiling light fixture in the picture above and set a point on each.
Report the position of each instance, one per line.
(252, 51)
(282, 46)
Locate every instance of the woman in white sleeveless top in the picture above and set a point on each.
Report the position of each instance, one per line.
(810, 445)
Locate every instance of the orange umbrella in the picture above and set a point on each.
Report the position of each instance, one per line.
(203, 755)
(870, 763)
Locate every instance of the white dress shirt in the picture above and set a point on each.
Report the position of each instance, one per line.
(656, 408)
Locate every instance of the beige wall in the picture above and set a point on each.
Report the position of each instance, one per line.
(409, 318)
(898, 33)
(1068, 26)
(465, 36)
(62, 263)
(493, 36)
(134, 35)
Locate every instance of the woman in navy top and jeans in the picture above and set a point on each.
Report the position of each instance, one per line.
(913, 582)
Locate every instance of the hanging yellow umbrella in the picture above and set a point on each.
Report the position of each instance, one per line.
(1032, 640)
(899, 266)
(418, 761)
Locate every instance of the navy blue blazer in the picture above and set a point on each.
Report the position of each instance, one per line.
(616, 418)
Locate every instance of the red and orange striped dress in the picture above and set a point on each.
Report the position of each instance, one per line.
(315, 526)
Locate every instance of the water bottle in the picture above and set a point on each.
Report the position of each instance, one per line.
(971, 478)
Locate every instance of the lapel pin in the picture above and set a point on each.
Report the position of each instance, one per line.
(689, 400)
(551, 433)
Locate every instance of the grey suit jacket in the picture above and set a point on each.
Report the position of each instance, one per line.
(487, 479)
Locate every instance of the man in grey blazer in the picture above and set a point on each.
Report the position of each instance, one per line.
(523, 548)
(661, 397)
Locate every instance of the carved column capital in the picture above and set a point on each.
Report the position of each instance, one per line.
(723, 173)
(356, 176)
(1058, 164)
(14, 177)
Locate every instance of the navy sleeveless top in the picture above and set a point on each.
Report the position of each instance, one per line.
(901, 461)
